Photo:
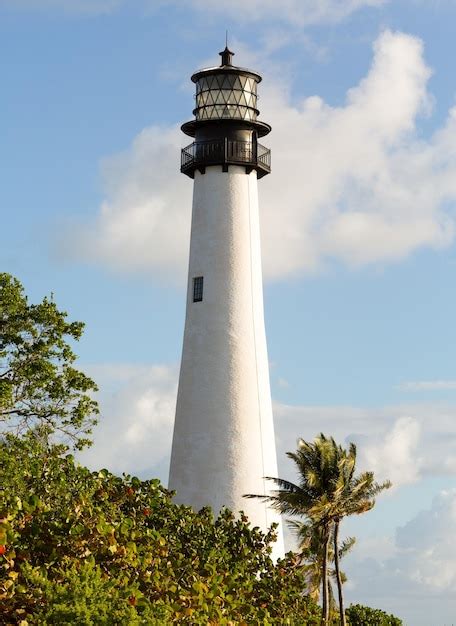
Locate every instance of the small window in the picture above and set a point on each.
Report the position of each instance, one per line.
(198, 289)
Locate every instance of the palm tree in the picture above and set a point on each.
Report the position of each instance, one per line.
(310, 557)
(317, 472)
(327, 491)
(353, 495)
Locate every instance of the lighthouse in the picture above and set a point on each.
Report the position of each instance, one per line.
(223, 442)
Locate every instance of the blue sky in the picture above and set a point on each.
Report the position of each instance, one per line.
(358, 226)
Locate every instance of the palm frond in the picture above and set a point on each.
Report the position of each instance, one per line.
(346, 545)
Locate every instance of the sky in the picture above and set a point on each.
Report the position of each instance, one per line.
(358, 236)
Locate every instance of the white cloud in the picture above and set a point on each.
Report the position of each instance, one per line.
(428, 385)
(145, 220)
(353, 183)
(427, 545)
(402, 443)
(414, 573)
(395, 456)
(296, 12)
(299, 12)
(137, 408)
(88, 7)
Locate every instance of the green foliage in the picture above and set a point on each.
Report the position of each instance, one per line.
(92, 548)
(82, 594)
(327, 491)
(40, 390)
(310, 543)
(364, 616)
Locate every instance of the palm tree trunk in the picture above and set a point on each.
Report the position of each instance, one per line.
(325, 602)
(338, 576)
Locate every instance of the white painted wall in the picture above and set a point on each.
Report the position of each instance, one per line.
(223, 442)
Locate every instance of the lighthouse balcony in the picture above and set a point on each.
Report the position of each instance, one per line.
(200, 154)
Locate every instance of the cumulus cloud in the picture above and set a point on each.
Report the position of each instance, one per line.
(428, 385)
(395, 457)
(415, 576)
(300, 12)
(408, 573)
(145, 220)
(403, 443)
(137, 408)
(428, 547)
(353, 183)
(85, 7)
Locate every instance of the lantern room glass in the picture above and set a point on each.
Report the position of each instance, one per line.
(231, 96)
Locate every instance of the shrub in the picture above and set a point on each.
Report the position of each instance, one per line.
(82, 594)
(364, 616)
(93, 548)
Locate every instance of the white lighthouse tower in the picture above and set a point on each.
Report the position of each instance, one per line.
(223, 443)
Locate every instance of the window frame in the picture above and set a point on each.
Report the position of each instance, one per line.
(198, 288)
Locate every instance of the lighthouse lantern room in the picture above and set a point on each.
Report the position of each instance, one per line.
(226, 128)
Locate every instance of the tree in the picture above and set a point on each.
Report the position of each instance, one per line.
(82, 547)
(40, 390)
(327, 491)
(310, 557)
(317, 473)
(353, 495)
(365, 616)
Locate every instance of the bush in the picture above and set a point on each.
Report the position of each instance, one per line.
(87, 547)
(82, 594)
(364, 616)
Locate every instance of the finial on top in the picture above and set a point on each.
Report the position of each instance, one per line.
(226, 55)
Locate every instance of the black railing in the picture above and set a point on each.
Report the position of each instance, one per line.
(264, 156)
(225, 152)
